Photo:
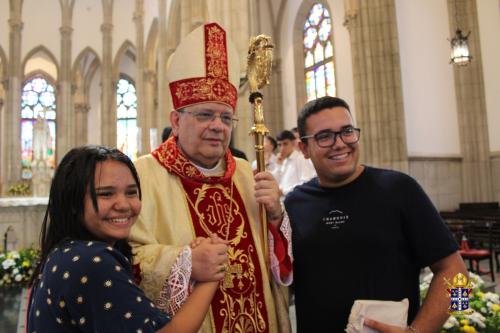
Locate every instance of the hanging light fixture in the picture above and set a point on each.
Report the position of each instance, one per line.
(460, 54)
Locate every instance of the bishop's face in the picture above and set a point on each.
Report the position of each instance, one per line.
(203, 132)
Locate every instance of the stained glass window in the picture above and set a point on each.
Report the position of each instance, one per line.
(38, 99)
(126, 127)
(318, 53)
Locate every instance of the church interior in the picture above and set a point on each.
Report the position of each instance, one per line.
(419, 77)
(93, 71)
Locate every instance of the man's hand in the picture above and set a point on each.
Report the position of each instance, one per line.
(267, 193)
(383, 328)
(209, 258)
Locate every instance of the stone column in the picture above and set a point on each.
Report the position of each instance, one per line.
(471, 108)
(162, 110)
(65, 117)
(377, 82)
(108, 94)
(274, 93)
(193, 13)
(81, 115)
(142, 115)
(11, 143)
(150, 107)
(1, 122)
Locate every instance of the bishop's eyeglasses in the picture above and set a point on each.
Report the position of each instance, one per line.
(204, 116)
(327, 138)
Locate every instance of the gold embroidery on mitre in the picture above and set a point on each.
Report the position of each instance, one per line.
(215, 85)
(215, 52)
(206, 89)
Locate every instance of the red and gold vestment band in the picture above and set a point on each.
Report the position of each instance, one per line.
(216, 207)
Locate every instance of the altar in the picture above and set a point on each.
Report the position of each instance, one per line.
(24, 216)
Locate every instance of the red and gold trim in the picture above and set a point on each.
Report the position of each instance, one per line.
(215, 86)
(201, 90)
(172, 159)
(216, 206)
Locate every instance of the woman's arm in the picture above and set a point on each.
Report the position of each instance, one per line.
(191, 314)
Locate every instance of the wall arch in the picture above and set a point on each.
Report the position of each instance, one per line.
(45, 53)
(126, 49)
(84, 68)
(151, 50)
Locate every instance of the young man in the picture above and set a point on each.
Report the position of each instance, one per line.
(292, 168)
(193, 187)
(362, 233)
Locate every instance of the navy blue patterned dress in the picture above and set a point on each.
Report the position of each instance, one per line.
(88, 287)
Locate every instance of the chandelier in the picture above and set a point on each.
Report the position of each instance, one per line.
(460, 54)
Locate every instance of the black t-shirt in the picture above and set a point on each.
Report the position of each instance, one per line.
(365, 240)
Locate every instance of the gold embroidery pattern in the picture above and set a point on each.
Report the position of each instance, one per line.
(170, 157)
(215, 52)
(203, 89)
(217, 211)
(241, 303)
(215, 86)
(216, 207)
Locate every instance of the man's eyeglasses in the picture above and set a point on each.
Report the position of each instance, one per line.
(327, 138)
(207, 116)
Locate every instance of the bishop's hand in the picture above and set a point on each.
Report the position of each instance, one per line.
(209, 259)
(267, 193)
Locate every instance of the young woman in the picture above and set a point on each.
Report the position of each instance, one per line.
(84, 281)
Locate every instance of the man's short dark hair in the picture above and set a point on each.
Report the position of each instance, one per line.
(166, 133)
(315, 106)
(285, 135)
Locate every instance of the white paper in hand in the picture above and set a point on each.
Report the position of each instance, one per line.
(387, 312)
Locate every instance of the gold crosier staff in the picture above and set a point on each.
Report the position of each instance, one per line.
(259, 61)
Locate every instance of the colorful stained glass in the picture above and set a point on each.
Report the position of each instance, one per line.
(26, 113)
(126, 108)
(316, 13)
(310, 36)
(27, 139)
(324, 29)
(50, 114)
(126, 130)
(310, 85)
(52, 144)
(330, 79)
(38, 96)
(309, 59)
(318, 53)
(320, 81)
(29, 98)
(47, 98)
(39, 85)
(328, 50)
